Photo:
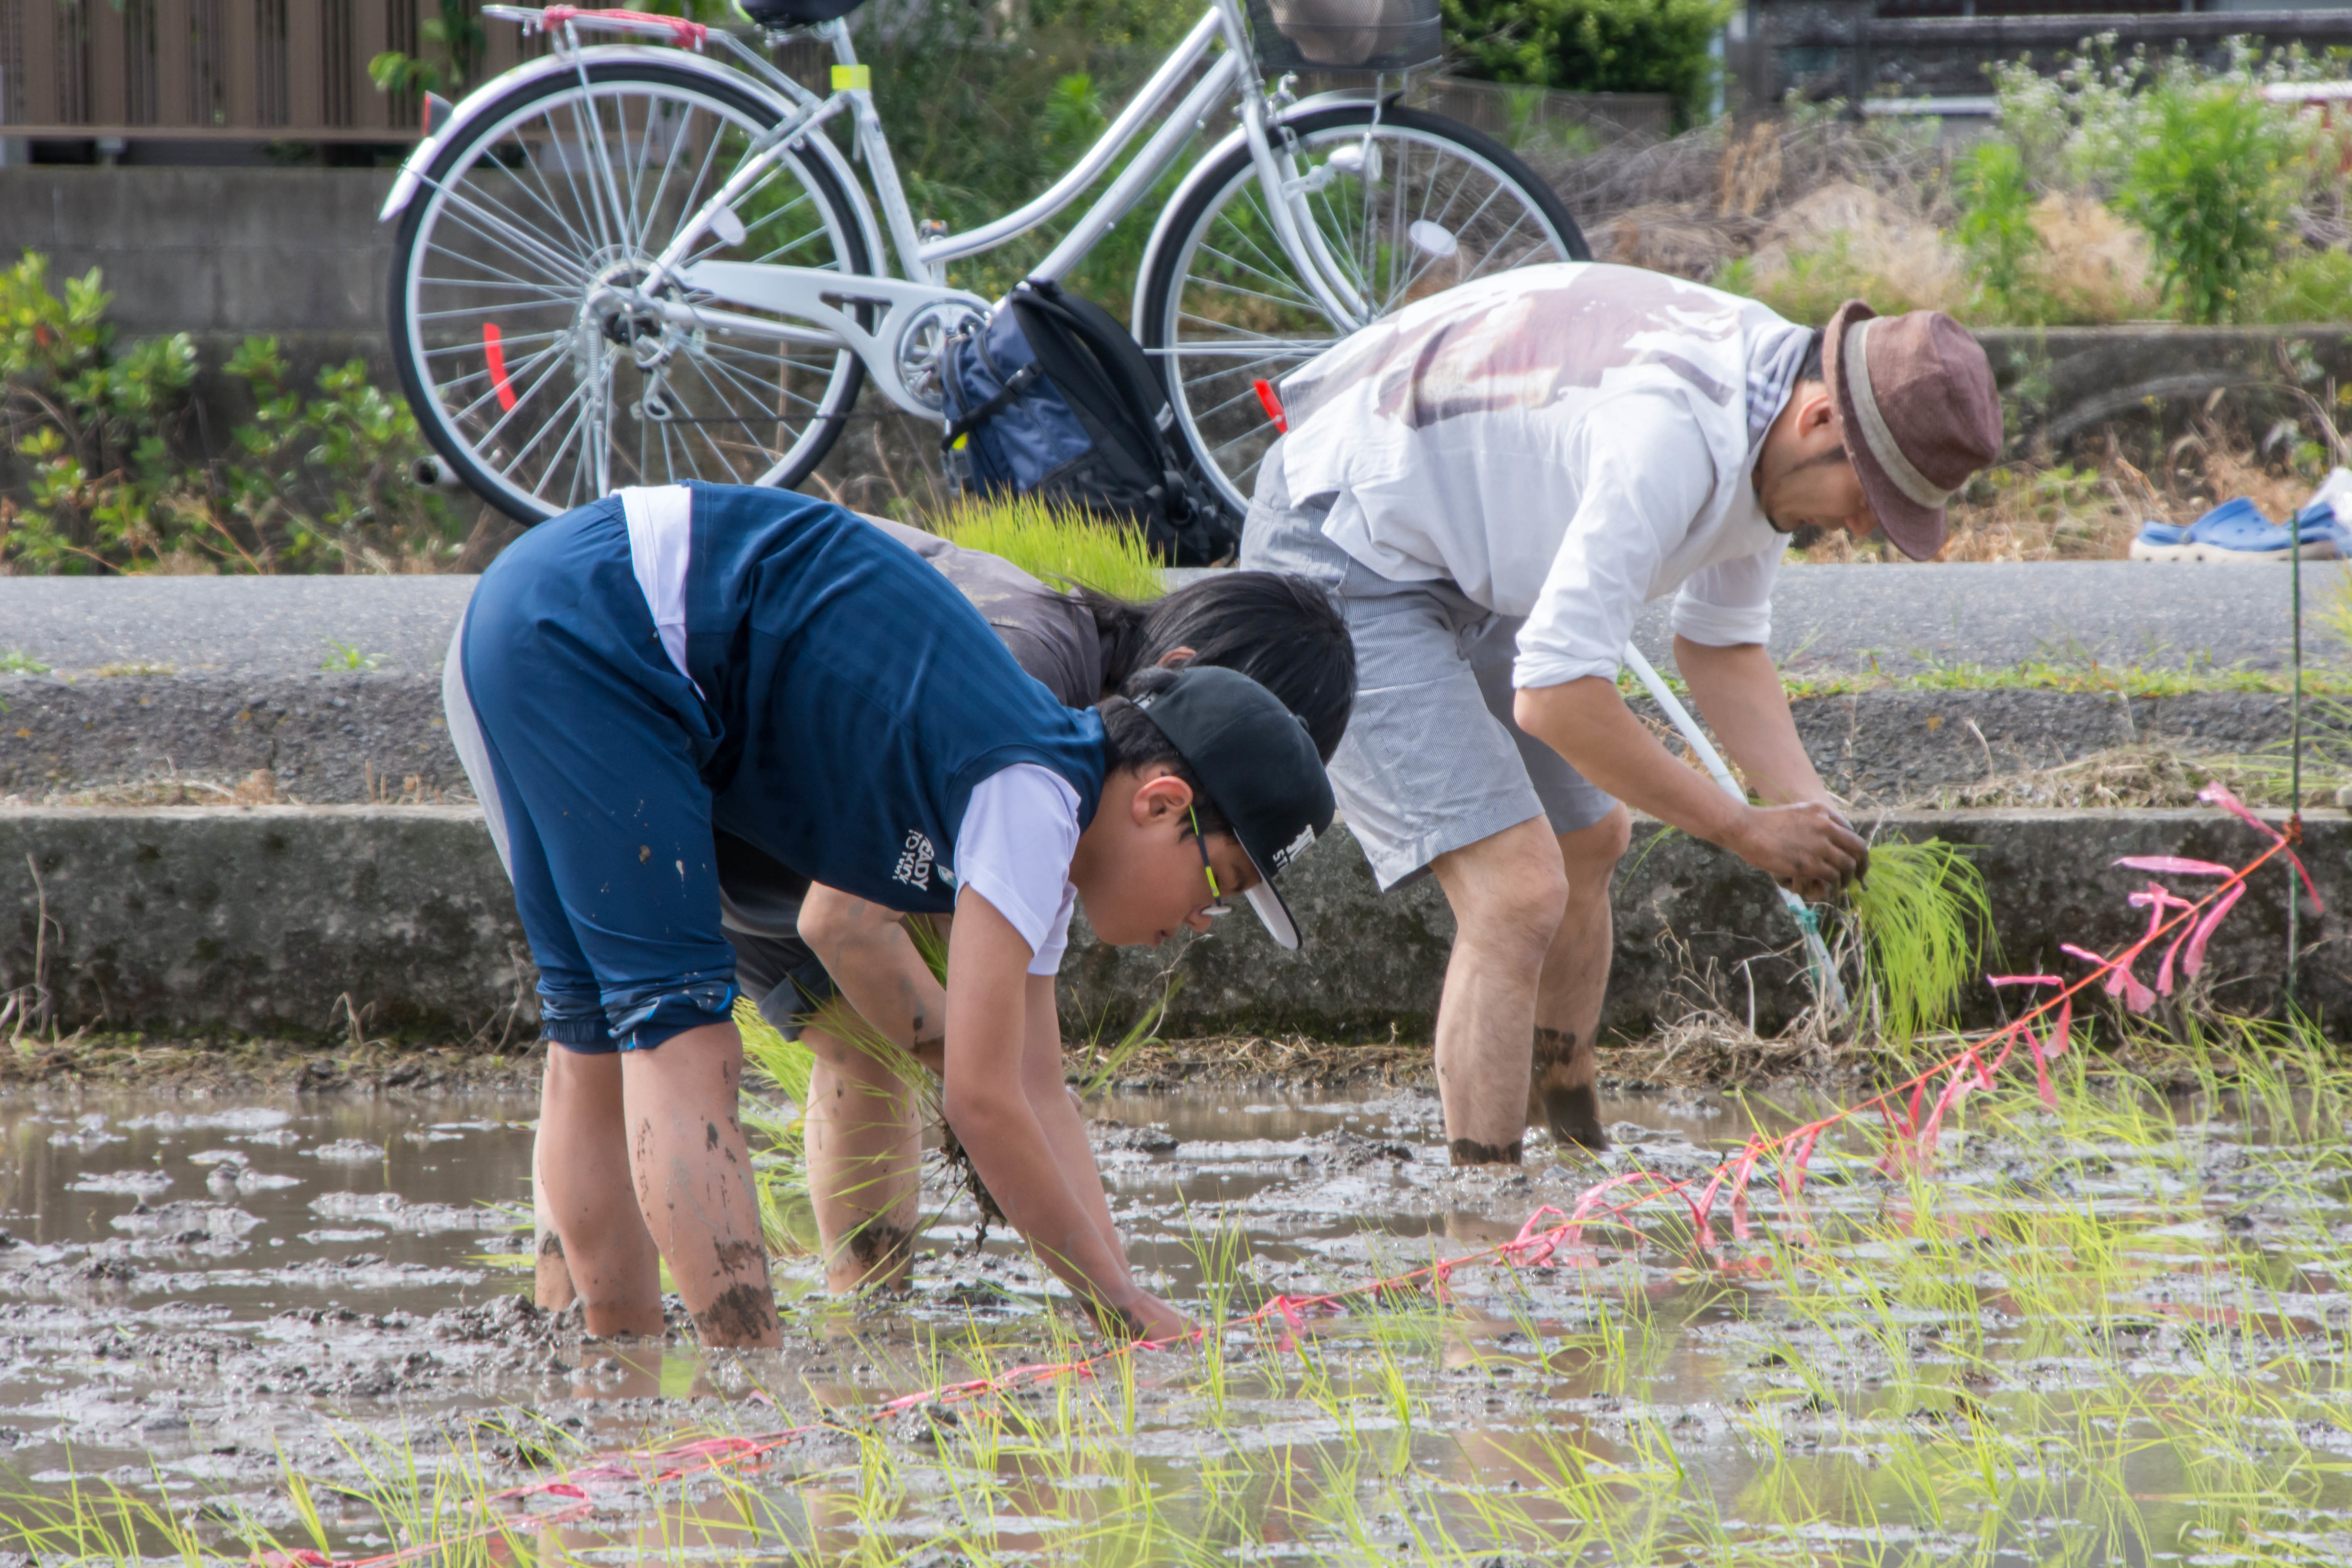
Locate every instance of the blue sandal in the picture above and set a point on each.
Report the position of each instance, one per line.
(2237, 530)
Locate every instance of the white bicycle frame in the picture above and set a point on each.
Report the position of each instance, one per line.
(821, 306)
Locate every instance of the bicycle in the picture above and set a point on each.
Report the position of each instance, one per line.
(628, 263)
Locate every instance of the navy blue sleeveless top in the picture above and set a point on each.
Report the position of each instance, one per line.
(858, 697)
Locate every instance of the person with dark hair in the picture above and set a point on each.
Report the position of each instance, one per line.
(1494, 480)
(641, 673)
(844, 968)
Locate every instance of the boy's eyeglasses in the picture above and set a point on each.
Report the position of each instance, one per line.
(1201, 842)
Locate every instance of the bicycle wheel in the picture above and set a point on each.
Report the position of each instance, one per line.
(527, 375)
(1407, 203)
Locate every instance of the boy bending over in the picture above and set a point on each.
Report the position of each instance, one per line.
(836, 970)
(640, 673)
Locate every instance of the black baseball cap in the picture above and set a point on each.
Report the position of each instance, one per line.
(1258, 764)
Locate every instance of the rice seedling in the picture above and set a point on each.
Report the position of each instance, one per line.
(1920, 915)
(1055, 543)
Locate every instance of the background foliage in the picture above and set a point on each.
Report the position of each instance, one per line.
(1593, 46)
(105, 472)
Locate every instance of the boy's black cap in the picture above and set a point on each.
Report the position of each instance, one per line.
(1256, 759)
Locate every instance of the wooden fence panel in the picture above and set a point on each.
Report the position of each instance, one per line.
(294, 70)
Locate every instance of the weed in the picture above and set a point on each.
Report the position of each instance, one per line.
(16, 661)
(132, 667)
(347, 655)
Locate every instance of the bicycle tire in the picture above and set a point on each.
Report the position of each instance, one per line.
(714, 438)
(1223, 424)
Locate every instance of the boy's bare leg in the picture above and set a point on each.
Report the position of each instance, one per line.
(1508, 893)
(551, 1276)
(1563, 1094)
(604, 1253)
(693, 1175)
(865, 1155)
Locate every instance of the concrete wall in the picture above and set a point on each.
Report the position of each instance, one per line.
(265, 918)
(212, 250)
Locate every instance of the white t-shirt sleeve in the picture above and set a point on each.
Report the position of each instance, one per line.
(1730, 602)
(1014, 848)
(1648, 473)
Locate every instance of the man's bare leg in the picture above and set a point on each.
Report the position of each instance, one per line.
(1562, 1095)
(693, 1175)
(1508, 893)
(604, 1253)
(865, 1155)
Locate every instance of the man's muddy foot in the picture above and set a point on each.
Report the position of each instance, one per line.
(1573, 1114)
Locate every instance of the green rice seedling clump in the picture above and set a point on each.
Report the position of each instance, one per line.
(1056, 543)
(1920, 913)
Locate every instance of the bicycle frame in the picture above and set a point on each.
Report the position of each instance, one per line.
(909, 314)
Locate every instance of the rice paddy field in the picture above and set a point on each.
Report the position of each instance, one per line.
(2106, 1326)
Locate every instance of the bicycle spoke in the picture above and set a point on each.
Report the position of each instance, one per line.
(1495, 250)
(498, 230)
(1239, 310)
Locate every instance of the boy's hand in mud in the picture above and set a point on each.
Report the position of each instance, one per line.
(1808, 848)
(1147, 1317)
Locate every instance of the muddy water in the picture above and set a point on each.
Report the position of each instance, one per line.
(194, 1296)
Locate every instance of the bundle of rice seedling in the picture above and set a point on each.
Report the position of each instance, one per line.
(774, 1108)
(1921, 916)
(1055, 541)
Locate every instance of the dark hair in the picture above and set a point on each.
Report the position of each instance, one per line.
(1813, 369)
(1130, 739)
(1283, 632)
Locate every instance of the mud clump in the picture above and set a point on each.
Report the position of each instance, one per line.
(1348, 1150)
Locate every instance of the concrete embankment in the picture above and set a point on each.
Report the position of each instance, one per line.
(333, 683)
(279, 918)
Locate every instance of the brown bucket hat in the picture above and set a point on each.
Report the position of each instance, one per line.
(1915, 399)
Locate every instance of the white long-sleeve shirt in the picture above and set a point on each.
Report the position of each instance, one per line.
(1563, 443)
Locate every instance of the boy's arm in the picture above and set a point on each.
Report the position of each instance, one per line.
(865, 947)
(1057, 1109)
(987, 1105)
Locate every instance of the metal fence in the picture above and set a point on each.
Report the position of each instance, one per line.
(239, 71)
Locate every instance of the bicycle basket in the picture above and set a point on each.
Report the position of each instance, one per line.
(1345, 35)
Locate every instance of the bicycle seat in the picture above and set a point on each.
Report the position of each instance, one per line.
(797, 13)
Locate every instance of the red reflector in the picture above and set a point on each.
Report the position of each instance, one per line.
(1272, 404)
(495, 354)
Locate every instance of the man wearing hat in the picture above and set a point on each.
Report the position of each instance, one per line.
(1493, 481)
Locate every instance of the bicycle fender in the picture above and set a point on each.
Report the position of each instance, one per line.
(1199, 171)
(479, 101)
(474, 104)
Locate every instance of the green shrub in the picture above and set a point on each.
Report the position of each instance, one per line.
(2207, 181)
(1996, 227)
(2310, 286)
(101, 474)
(1593, 46)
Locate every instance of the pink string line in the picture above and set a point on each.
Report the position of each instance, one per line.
(1536, 1244)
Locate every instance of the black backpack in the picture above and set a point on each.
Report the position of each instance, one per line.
(1050, 396)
